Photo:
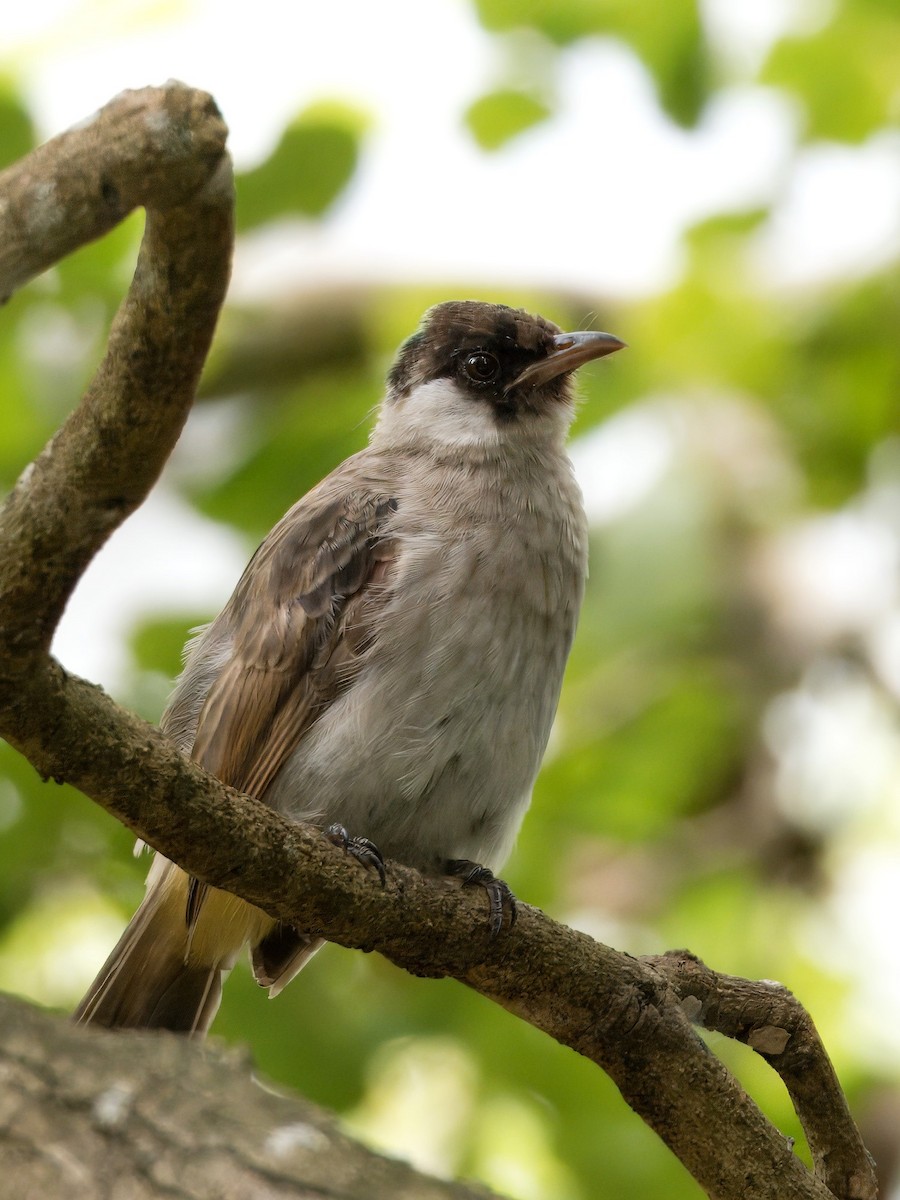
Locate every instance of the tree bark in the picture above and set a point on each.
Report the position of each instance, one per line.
(86, 1116)
(631, 1017)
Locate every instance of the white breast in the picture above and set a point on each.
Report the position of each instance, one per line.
(433, 750)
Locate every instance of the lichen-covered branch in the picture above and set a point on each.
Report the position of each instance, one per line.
(163, 148)
(155, 147)
(624, 1014)
(765, 1016)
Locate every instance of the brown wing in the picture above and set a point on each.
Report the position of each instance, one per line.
(297, 624)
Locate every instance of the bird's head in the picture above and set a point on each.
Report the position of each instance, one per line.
(476, 373)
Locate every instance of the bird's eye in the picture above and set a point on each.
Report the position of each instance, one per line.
(482, 367)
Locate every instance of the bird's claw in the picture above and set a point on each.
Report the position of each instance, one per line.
(500, 896)
(361, 848)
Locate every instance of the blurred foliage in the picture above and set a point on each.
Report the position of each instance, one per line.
(844, 74)
(308, 169)
(16, 129)
(668, 38)
(667, 812)
(499, 116)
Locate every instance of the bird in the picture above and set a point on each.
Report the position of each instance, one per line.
(390, 661)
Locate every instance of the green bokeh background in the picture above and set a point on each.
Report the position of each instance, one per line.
(657, 820)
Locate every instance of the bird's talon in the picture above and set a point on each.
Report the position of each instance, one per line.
(500, 897)
(361, 848)
(338, 836)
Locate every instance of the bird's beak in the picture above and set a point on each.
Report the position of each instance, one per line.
(570, 350)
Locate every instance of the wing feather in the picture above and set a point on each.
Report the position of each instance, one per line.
(297, 626)
(297, 629)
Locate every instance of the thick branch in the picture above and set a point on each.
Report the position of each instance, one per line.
(156, 147)
(84, 1116)
(612, 1008)
(164, 148)
(608, 1006)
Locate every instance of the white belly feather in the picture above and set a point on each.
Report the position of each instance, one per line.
(433, 751)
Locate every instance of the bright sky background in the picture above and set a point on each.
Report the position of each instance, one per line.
(595, 199)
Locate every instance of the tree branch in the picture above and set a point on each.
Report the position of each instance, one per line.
(85, 1116)
(765, 1016)
(156, 147)
(622, 1013)
(164, 148)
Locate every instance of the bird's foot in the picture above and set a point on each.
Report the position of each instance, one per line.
(500, 897)
(361, 848)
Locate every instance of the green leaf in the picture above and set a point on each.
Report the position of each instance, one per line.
(16, 130)
(303, 434)
(307, 171)
(101, 270)
(157, 644)
(667, 37)
(498, 117)
(840, 388)
(845, 76)
(563, 21)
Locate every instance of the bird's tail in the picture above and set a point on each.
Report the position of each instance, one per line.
(163, 975)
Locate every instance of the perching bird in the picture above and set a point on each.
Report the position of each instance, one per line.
(391, 659)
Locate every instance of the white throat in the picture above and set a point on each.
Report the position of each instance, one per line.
(444, 415)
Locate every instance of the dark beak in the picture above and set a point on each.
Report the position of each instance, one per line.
(570, 351)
